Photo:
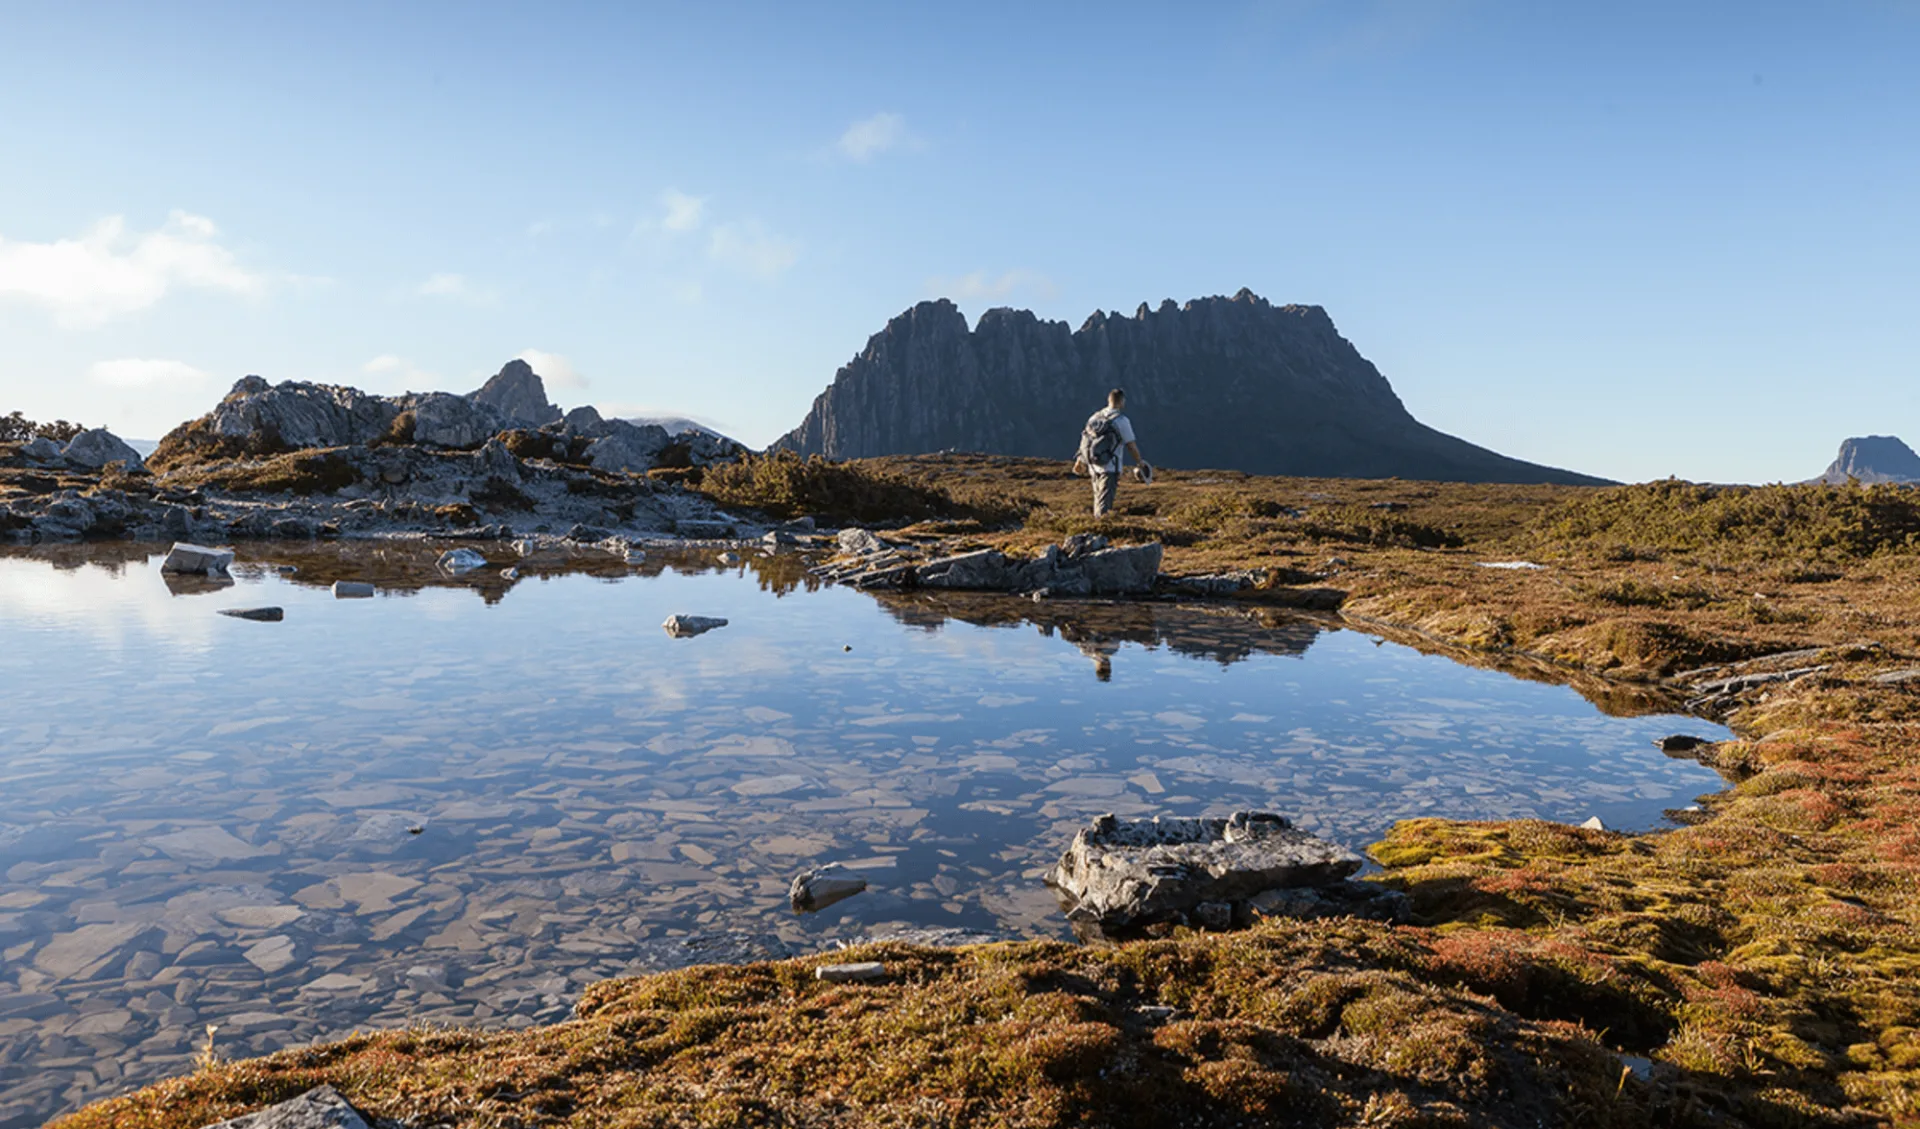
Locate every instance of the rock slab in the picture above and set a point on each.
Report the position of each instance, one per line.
(197, 560)
(822, 886)
(322, 1107)
(859, 972)
(258, 615)
(1119, 875)
(687, 626)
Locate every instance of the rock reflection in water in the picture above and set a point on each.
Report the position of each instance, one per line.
(209, 821)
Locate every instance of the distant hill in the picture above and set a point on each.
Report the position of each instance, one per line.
(675, 425)
(1874, 458)
(1233, 383)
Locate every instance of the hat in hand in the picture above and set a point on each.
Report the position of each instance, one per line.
(1143, 473)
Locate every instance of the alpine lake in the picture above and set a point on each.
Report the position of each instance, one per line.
(461, 800)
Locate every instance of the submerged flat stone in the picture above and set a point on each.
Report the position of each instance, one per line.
(1125, 874)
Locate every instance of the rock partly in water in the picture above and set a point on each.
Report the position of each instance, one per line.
(1122, 875)
(96, 447)
(258, 615)
(822, 886)
(352, 590)
(686, 626)
(457, 561)
(322, 1107)
(1681, 743)
(197, 560)
(1080, 567)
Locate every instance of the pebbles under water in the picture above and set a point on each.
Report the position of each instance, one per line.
(431, 807)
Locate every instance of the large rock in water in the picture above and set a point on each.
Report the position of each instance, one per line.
(1122, 875)
(519, 395)
(1872, 459)
(1219, 382)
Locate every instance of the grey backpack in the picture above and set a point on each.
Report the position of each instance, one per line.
(1099, 441)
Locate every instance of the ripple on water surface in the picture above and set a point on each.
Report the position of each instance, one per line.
(428, 806)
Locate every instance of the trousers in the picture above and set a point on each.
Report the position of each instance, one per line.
(1105, 486)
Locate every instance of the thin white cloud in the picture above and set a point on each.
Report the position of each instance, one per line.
(979, 285)
(397, 374)
(749, 247)
(554, 369)
(684, 212)
(456, 288)
(141, 372)
(109, 272)
(871, 136)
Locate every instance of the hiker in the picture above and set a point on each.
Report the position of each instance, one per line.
(1104, 444)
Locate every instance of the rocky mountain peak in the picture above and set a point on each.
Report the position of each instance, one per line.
(1874, 458)
(1217, 382)
(518, 394)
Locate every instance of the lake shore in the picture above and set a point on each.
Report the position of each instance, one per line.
(1756, 967)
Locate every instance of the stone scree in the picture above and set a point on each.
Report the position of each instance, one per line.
(1119, 877)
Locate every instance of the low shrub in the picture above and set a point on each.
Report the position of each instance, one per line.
(785, 485)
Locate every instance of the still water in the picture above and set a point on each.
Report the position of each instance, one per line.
(461, 800)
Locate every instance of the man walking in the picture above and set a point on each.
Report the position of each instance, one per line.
(1104, 444)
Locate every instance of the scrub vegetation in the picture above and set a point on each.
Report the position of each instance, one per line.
(1758, 966)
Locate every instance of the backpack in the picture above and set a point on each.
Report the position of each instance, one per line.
(1099, 441)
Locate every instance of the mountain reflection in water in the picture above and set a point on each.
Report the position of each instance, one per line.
(207, 820)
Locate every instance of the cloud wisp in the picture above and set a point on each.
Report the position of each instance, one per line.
(110, 272)
(684, 212)
(869, 137)
(979, 285)
(554, 369)
(145, 372)
(747, 246)
(397, 374)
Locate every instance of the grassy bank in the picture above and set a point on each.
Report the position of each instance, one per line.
(1759, 967)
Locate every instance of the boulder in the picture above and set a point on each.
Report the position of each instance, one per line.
(197, 560)
(822, 886)
(322, 1107)
(1122, 875)
(96, 447)
(442, 419)
(1122, 572)
(352, 590)
(687, 626)
(518, 394)
(585, 420)
(859, 972)
(258, 615)
(40, 449)
(295, 415)
(858, 542)
(625, 447)
(457, 561)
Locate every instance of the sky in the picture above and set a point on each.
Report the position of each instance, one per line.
(1631, 239)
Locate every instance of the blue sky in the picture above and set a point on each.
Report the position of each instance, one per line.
(1631, 239)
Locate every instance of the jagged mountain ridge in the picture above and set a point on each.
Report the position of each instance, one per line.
(1234, 383)
(1871, 459)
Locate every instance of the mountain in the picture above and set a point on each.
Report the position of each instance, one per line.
(676, 425)
(1219, 382)
(1874, 458)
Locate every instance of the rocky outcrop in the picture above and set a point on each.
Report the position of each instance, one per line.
(1873, 459)
(1120, 876)
(1219, 382)
(518, 395)
(1082, 565)
(96, 447)
(442, 419)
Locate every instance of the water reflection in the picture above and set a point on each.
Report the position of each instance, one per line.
(204, 819)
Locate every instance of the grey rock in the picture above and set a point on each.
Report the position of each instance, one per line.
(627, 448)
(779, 539)
(41, 449)
(1897, 677)
(258, 615)
(96, 447)
(352, 590)
(295, 415)
(197, 560)
(1121, 875)
(822, 886)
(1217, 916)
(1681, 743)
(322, 1107)
(857, 541)
(585, 420)
(442, 419)
(1123, 571)
(703, 529)
(858, 972)
(457, 561)
(518, 394)
(687, 626)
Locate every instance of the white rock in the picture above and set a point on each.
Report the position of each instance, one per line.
(1514, 566)
(97, 447)
(859, 972)
(1593, 824)
(197, 559)
(352, 590)
(461, 560)
(686, 626)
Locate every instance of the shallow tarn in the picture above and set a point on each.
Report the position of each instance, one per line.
(432, 807)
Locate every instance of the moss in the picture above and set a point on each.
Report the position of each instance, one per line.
(319, 471)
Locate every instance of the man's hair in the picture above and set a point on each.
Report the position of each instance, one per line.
(1116, 397)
